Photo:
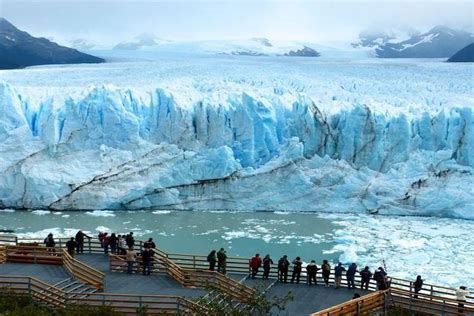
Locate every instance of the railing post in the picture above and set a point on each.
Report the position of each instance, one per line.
(89, 243)
(358, 308)
(431, 292)
(103, 300)
(411, 289)
(140, 304)
(194, 262)
(29, 288)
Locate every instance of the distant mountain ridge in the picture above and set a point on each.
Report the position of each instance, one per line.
(464, 55)
(18, 49)
(439, 42)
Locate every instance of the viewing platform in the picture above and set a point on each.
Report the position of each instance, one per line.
(179, 281)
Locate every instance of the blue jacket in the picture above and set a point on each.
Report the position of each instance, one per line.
(338, 270)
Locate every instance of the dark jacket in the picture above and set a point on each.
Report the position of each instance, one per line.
(147, 255)
(365, 275)
(351, 271)
(71, 245)
(221, 256)
(338, 271)
(326, 268)
(312, 269)
(418, 284)
(283, 264)
(297, 265)
(267, 262)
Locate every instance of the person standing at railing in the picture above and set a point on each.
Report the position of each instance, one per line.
(49, 242)
(461, 294)
(255, 264)
(113, 240)
(380, 276)
(418, 284)
(212, 259)
(365, 276)
(312, 270)
(221, 261)
(71, 245)
(150, 244)
(338, 275)
(350, 275)
(105, 243)
(297, 267)
(283, 265)
(80, 241)
(267, 263)
(147, 258)
(326, 267)
(130, 240)
(130, 257)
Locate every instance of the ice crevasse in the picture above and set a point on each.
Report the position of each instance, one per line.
(111, 149)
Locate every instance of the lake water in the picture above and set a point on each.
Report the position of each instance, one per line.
(439, 249)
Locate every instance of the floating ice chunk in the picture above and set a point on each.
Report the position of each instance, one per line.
(101, 213)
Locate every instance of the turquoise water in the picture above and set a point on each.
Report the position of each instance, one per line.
(408, 245)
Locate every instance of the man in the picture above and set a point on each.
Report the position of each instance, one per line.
(129, 240)
(267, 263)
(147, 258)
(418, 284)
(338, 275)
(365, 276)
(71, 245)
(297, 267)
(283, 265)
(149, 244)
(211, 258)
(221, 261)
(255, 264)
(350, 274)
(326, 267)
(461, 298)
(381, 278)
(80, 241)
(49, 242)
(311, 270)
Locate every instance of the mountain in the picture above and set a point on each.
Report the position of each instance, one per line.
(83, 44)
(19, 49)
(464, 55)
(304, 52)
(439, 42)
(145, 40)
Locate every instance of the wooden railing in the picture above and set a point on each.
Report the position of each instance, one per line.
(34, 254)
(188, 277)
(363, 305)
(83, 272)
(3, 254)
(126, 303)
(38, 290)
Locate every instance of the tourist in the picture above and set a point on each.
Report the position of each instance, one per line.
(71, 245)
(221, 261)
(311, 270)
(113, 240)
(380, 276)
(130, 241)
(105, 243)
(461, 298)
(100, 236)
(212, 259)
(267, 263)
(297, 263)
(283, 265)
(418, 285)
(150, 244)
(326, 267)
(147, 258)
(338, 275)
(130, 257)
(255, 263)
(80, 241)
(365, 276)
(49, 242)
(350, 274)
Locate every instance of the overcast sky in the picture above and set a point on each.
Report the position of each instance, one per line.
(110, 21)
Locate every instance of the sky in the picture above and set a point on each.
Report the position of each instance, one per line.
(113, 21)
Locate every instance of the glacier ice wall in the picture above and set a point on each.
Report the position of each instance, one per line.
(112, 149)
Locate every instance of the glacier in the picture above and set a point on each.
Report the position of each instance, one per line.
(293, 141)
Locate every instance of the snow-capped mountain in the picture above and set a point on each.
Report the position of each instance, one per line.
(142, 41)
(464, 55)
(83, 44)
(19, 49)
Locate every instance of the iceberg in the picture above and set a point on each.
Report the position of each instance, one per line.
(245, 145)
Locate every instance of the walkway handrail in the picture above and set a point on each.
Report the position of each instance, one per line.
(3, 254)
(126, 303)
(360, 306)
(83, 272)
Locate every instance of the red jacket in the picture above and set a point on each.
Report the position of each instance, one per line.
(255, 262)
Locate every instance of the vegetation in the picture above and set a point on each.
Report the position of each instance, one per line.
(218, 302)
(14, 304)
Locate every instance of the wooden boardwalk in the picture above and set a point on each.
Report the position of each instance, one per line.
(308, 299)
